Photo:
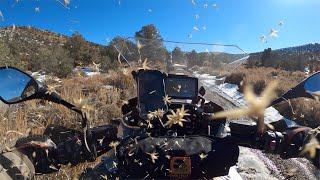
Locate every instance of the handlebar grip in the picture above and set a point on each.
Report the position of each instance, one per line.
(247, 135)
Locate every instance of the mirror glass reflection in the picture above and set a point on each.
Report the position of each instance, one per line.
(15, 85)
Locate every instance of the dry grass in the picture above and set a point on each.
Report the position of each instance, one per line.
(33, 116)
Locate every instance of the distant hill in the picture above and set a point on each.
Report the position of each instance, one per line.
(308, 48)
(292, 58)
(35, 36)
(34, 49)
(32, 35)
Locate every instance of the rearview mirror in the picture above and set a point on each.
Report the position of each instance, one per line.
(310, 88)
(16, 86)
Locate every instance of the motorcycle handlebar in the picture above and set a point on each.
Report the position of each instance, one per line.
(247, 136)
(287, 144)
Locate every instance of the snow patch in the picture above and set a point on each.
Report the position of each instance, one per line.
(108, 87)
(87, 71)
(42, 76)
(179, 65)
(39, 76)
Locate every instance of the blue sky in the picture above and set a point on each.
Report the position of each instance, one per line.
(240, 22)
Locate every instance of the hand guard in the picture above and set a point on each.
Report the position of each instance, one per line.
(40, 151)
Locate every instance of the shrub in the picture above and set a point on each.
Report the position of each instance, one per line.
(305, 112)
(59, 63)
(274, 73)
(235, 78)
(259, 86)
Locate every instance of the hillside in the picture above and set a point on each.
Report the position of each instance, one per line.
(32, 35)
(292, 58)
(36, 37)
(312, 47)
(34, 49)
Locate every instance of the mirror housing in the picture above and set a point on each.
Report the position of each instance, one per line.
(38, 90)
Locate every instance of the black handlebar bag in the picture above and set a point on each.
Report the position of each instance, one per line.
(177, 157)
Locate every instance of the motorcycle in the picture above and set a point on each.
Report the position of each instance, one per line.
(163, 138)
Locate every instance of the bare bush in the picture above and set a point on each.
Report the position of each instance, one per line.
(235, 78)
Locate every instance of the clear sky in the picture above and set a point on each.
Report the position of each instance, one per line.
(240, 22)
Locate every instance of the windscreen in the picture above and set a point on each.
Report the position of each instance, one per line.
(183, 58)
(190, 62)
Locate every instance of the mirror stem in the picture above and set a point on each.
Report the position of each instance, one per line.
(54, 97)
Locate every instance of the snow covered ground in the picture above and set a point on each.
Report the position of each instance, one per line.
(251, 166)
(42, 76)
